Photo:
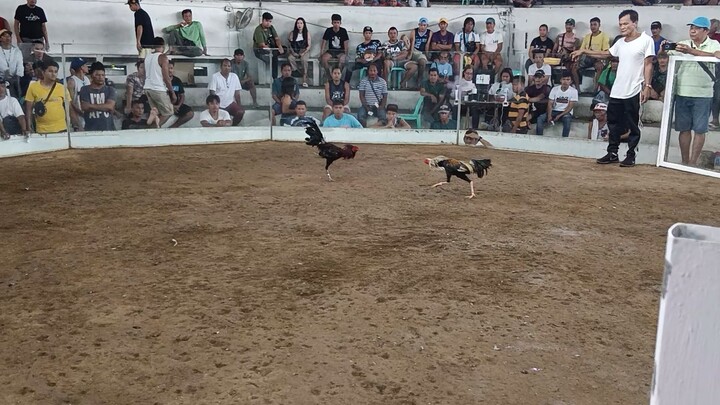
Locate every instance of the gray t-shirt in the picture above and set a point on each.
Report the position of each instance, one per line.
(98, 120)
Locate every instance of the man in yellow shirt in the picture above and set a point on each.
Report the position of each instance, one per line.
(596, 40)
(50, 118)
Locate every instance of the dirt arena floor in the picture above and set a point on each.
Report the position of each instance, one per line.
(284, 288)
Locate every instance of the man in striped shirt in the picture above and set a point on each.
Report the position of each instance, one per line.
(373, 96)
(518, 117)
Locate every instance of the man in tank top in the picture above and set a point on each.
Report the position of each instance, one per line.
(158, 83)
(420, 40)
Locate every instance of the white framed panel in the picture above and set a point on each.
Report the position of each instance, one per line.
(666, 127)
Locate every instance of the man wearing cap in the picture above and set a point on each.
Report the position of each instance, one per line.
(598, 127)
(366, 54)
(694, 89)
(656, 30)
(566, 43)
(97, 101)
(596, 40)
(144, 33)
(12, 117)
(444, 120)
(11, 61)
(267, 44)
(420, 41)
(538, 93)
(77, 80)
(492, 44)
(335, 44)
(441, 40)
(635, 52)
(30, 26)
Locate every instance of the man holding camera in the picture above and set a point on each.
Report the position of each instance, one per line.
(694, 88)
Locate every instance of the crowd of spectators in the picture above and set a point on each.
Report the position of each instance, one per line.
(442, 65)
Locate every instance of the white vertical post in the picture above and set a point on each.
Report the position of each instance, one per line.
(687, 352)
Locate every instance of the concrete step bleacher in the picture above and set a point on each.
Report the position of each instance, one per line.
(406, 100)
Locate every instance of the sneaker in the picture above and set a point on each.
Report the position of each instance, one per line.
(609, 158)
(629, 161)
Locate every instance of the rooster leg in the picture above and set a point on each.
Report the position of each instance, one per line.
(328, 174)
(439, 184)
(472, 190)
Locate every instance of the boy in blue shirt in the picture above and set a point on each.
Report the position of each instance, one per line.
(339, 119)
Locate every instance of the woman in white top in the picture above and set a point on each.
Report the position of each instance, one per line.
(214, 116)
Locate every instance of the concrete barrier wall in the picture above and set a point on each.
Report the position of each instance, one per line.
(18, 145)
(166, 137)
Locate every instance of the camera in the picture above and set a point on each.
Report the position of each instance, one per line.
(669, 46)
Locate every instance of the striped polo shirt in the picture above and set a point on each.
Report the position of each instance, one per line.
(517, 103)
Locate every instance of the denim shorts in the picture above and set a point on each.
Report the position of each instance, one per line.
(692, 113)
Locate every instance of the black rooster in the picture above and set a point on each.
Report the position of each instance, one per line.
(326, 150)
(459, 169)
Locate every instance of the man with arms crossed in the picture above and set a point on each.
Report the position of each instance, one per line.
(633, 82)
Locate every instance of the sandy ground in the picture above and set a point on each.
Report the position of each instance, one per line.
(375, 289)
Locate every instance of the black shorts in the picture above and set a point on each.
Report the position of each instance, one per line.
(183, 110)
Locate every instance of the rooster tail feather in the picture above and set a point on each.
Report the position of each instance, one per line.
(315, 136)
(481, 166)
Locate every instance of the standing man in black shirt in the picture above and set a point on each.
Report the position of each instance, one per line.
(144, 33)
(30, 26)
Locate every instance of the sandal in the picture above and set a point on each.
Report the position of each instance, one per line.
(305, 84)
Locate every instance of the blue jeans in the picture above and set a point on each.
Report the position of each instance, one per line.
(566, 121)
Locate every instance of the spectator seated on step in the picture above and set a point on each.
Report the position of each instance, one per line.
(12, 117)
(433, 91)
(560, 106)
(241, 68)
(136, 119)
(214, 116)
(186, 37)
(444, 120)
(367, 53)
(392, 120)
(373, 96)
(444, 67)
(539, 64)
(659, 77)
(277, 87)
(301, 119)
(336, 89)
(135, 87)
(182, 111)
(339, 119)
(538, 94)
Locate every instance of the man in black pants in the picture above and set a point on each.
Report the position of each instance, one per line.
(633, 82)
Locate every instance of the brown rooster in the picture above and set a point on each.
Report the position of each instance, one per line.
(459, 169)
(326, 150)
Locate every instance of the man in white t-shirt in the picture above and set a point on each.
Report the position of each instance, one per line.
(226, 85)
(491, 42)
(560, 108)
(636, 51)
(539, 59)
(214, 116)
(12, 117)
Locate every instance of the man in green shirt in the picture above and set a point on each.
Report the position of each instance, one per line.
(445, 122)
(434, 92)
(266, 43)
(694, 89)
(186, 37)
